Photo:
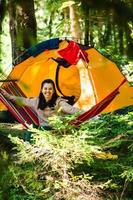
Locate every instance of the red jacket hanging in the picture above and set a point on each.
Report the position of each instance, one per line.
(72, 53)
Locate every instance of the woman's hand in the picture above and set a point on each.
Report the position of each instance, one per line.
(16, 99)
(3, 91)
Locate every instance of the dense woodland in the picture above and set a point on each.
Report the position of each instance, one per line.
(95, 161)
(105, 24)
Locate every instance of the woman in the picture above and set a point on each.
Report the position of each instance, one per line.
(47, 104)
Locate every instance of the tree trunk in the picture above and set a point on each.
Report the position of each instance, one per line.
(107, 33)
(22, 25)
(86, 38)
(2, 13)
(129, 42)
(121, 47)
(75, 27)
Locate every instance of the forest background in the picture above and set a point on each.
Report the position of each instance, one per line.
(105, 24)
(94, 162)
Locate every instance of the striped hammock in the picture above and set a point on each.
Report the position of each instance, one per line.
(26, 116)
(96, 109)
(23, 114)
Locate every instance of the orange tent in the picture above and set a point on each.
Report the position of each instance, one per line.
(89, 82)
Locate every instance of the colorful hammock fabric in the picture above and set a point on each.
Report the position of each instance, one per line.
(25, 115)
(96, 109)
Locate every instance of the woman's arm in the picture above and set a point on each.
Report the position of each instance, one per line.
(16, 99)
(21, 101)
(67, 108)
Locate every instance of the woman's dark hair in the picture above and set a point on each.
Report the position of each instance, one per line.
(42, 102)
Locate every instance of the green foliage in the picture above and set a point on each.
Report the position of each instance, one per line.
(46, 166)
(70, 163)
(122, 62)
(128, 174)
(118, 59)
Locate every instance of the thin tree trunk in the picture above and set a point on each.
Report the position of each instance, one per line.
(22, 25)
(129, 42)
(2, 13)
(86, 38)
(75, 27)
(107, 33)
(13, 29)
(121, 47)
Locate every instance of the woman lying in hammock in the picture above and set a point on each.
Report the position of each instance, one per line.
(47, 104)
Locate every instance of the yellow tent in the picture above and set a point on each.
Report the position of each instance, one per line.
(89, 82)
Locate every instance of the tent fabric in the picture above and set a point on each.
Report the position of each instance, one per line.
(72, 53)
(39, 48)
(105, 76)
(89, 83)
(23, 114)
(96, 109)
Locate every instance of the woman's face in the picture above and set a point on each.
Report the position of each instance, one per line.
(47, 91)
